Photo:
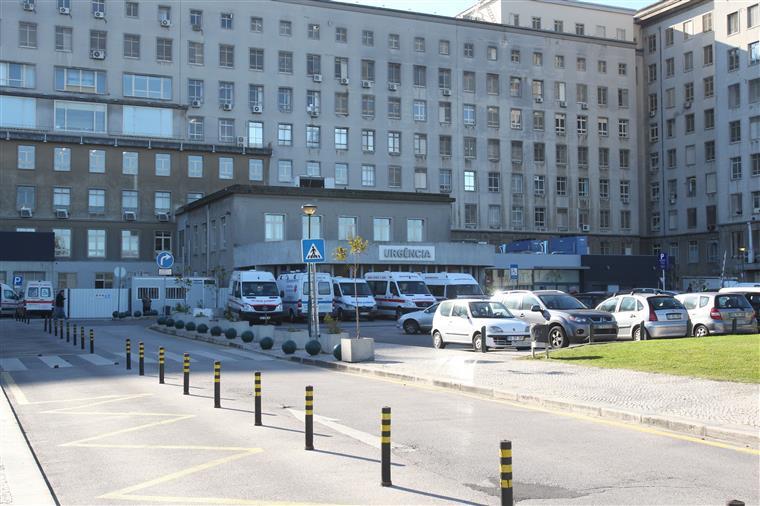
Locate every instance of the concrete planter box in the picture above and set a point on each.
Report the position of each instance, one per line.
(262, 331)
(357, 350)
(300, 337)
(329, 341)
(203, 312)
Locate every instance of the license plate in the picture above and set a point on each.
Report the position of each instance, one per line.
(603, 327)
(674, 316)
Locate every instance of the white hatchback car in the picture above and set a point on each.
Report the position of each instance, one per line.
(461, 320)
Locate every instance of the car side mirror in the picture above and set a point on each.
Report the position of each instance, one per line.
(535, 308)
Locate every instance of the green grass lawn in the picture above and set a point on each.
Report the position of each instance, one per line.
(731, 358)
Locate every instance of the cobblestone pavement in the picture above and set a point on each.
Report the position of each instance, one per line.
(711, 402)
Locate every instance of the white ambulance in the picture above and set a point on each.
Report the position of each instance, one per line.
(348, 293)
(450, 285)
(294, 290)
(397, 293)
(39, 298)
(254, 296)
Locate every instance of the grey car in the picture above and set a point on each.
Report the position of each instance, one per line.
(417, 321)
(714, 313)
(568, 319)
(663, 315)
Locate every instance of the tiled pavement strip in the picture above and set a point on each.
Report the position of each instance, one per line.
(699, 407)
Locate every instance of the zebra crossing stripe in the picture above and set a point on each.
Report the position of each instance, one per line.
(54, 361)
(96, 359)
(12, 364)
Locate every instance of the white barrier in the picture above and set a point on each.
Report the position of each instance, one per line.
(95, 302)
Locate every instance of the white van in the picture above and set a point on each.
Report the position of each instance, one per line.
(9, 300)
(294, 290)
(254, 296)
(39, 297)
(397, 293)
(450, 285)
(345, 300)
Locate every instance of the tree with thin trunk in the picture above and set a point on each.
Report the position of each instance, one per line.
(356, 247)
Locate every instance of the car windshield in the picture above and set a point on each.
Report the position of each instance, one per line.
(664, 303)
(733, 301)
(259, 289)
(487, 309)
(362, 290)
(561, 301)
(413, 288)
(431, 309)
(460, 290)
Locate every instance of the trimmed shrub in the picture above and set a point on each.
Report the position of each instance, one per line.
(202, 328)
(169, 322)
(115, 314)
(266, 343)
(190, 326)
(313, 347)
(137, 314)
(124, 314)
(337, 352)
(289, 347)
(230, 333)
(247, 336)
(179, 324)
(216, 330)
(161, 320)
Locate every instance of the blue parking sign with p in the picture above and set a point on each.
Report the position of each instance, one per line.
(662, 258)
(513, 270)
(313, 251)
(18, 280)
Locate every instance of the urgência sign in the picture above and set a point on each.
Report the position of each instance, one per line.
(407, 253)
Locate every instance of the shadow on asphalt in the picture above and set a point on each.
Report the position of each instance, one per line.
(437, 496)
(367, 459)
(582, 357)
(294, 430)
(247, 411)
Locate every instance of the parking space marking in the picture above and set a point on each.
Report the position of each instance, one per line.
(54, 361)
(12, 364)
(176, 357)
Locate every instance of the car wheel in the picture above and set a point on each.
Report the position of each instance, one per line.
(701, 331)
(411, 327)
(477, 342)
(557, 337)
(638, 335)
(438, 341)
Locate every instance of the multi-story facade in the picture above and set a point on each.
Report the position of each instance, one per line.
(529, 131)
(699, 126)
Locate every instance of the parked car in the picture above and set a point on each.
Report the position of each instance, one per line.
(714, 313)
(451, 285)
(417, 321)
(592, 299)
(568, 319)
(38, 298)
(9, 300)
(461, 320)
(663, 315)
(752, 293)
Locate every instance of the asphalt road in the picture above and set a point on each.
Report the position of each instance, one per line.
(107, 435)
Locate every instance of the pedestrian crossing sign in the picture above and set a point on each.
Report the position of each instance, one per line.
(313, 250)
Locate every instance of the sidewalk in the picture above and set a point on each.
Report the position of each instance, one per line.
(698, 407)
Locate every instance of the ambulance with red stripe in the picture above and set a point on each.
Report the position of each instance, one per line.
(39, 298)
(398, 293)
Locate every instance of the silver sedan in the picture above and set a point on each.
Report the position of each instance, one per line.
(417, 321)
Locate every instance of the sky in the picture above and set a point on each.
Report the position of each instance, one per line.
(453, 7)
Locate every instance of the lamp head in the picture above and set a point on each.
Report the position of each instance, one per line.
(309, 209)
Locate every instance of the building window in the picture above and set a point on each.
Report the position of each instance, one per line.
(162, 202)
(284, 171)
(414, 230)
(469, 181)
(470, 148)
(733, 59)
(96, 243)
(195, 55)
(753, 17)
(285, 62)
(226, 55)
(368, 38)
(368, 175)
(381, 229)
(25, 197)
(494, 182)
(62, 241)
(285, 99)
(274, 227)
(469, 50)
(419, 44)
(195, 128)
(347, 227)
(144, 86)
(753, 51)
(341, 173)
(341, 35)
(735, 131)
(444, 180)
(313, 136)
(394, 42)
(394, 176)
(226, 168)
(162, 241)
(27, 35)
(312, 31)
(732, 23)
(286, 28)
(255, 169)
(226, 130)
(130, 244)
(163, 164)
(394, 143)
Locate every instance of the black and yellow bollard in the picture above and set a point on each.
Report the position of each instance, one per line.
(186, 374)
(161, 365)
(92, 341)
(75, 336)
(68, 330)
(505, 483)
(385, 447)
(56, 324)
(129, 354)
(257, 399)
(141, 358)
(217, 384)
(309, 418)
(81, 343)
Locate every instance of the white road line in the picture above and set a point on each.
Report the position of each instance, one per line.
(12, 364)
(249, 355)
(96, 359)
(212, 356)
(54, 361)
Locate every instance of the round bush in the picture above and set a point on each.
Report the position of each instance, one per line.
(115, 314)
(313, 347)
(137, 314)
(179, 324)
(202, 328)
(230, 333)
(337, 352)
(247, 336)
(289, 347)
(169, 322)
(152, 312)
(216, 330)
(161, 320)
(190, 326)
(266, 343)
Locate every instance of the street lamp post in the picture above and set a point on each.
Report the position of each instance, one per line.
(742, 251)
(309, 210)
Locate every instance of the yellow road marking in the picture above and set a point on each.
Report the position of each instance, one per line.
(7, 379)
(577, 416)
(129, 429)
(164, 447)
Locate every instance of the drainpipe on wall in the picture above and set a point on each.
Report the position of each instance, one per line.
(750, 248)
(208, 238)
